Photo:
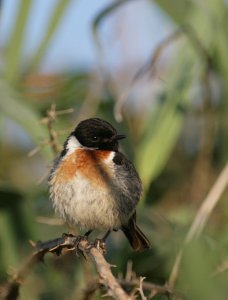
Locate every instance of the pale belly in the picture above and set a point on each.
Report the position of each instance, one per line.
(89, 206)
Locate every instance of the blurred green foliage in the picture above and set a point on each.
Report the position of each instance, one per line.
(179, 146)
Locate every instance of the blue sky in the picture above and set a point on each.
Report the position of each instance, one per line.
(129, 35)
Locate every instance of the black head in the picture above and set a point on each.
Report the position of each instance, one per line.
(97, 133)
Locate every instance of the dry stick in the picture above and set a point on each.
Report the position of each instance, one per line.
(68, 243)
(51, 116)
(131, 281)
(154, 289)
(201, 218)
(104, 270)
(140, 289)
(133, 284)
(49, 120)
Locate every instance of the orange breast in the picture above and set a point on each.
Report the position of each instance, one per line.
(87, 163)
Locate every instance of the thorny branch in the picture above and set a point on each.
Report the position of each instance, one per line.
(113, 287)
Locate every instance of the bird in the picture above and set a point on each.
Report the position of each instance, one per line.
(94, 185)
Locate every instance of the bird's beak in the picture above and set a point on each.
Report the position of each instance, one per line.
(119, 137)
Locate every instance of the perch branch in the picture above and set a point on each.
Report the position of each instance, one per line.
(57, 246)
(114, 287)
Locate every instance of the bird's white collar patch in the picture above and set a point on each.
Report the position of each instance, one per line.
(72, 145)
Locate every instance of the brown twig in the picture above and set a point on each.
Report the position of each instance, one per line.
(106, 277)
(140, 289)
(49, 120)
(154, 289)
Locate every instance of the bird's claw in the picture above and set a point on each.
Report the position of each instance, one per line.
(79, 239)
(98, 244)
(66, 235)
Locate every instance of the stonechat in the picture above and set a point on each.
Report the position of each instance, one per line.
(92, 184)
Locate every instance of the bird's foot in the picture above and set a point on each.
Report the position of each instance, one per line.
(78, 240)
(66, 235)
(98, 244)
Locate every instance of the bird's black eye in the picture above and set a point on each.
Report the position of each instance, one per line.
(94, 138)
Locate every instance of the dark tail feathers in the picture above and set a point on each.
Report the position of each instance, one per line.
(135, 236)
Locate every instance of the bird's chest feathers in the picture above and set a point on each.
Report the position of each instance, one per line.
(80, 189)
(93, 165)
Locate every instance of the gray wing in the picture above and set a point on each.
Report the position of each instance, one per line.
(128, 182)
